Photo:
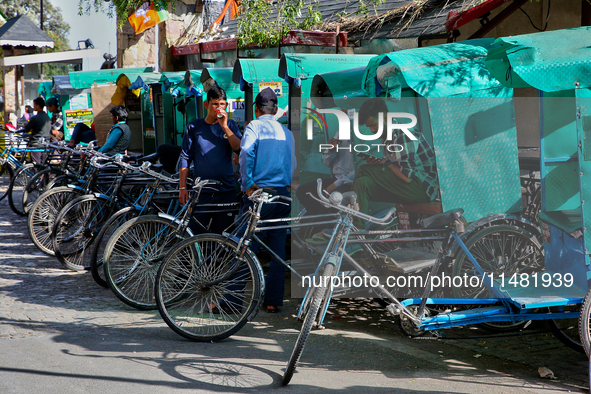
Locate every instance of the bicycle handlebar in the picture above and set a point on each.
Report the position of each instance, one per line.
(336, 204)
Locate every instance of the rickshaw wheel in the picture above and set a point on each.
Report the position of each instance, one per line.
(408, 327)
(585, 323)
(566, 330)
(500, 250)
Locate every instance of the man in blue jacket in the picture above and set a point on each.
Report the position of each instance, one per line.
(119, 136)
(267, 160)
(209, 143)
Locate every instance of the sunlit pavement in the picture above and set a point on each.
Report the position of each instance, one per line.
(61, 333)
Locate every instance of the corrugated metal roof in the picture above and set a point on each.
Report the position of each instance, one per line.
(431, 22)
(20, 30)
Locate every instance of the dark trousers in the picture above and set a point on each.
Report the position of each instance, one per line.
(312, 206)
(275, 279)
(169, 155)
(212, 219)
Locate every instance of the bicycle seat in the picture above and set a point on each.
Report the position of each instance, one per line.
(442, 219)
(349, 198)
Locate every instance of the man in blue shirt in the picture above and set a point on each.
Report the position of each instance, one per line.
(267, 159)
(119, 136)
(208, 143)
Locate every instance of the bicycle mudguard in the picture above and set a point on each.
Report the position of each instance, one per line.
(76, 187)
(174, 220)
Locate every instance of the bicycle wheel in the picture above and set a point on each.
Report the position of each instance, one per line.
(17, 187)
(37, 185)
(134, 254)
(99, 244)
(7, 172)
(499, 249)
(43, 213)
(208, 313)
(585, 323)
(75, 228)
(567, 330)
(311, 317)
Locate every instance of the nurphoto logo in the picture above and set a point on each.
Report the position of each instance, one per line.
(344, 122)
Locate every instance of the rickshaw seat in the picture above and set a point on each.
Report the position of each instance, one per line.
(568, 221)
(432, 208)
(442, 219)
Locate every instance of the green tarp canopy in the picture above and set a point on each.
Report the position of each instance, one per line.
(304, 66)
(439, 71)
(85, 79)
(171, 80)
(333, 89)
(223, 77)
(252, 71)
(142, 79)
(549, 61)
(63, 87)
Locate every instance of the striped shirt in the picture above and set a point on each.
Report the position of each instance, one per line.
(416, 160)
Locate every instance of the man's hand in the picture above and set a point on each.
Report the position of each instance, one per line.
(236, 158)
(372, 161)
(183, 196)
(223, 121)
(331, 187)
(252, 189)
(333, 142)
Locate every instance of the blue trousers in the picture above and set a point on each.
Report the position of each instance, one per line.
(275, 279)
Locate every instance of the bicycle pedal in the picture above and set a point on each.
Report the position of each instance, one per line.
(393, 309)
(390, 264)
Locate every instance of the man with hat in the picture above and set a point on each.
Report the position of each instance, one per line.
(267, 160)
(57, 121)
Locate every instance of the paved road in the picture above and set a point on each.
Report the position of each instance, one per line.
(60, 333)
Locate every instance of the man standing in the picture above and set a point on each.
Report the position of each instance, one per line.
(120, 134)
(57, 121)
(267, 159)
(208, 143)
(39, 126)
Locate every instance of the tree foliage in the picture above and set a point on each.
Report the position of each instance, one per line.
(53, 24)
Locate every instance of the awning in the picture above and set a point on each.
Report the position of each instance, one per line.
(63, 87)
(437, 71)
(549, 61)
(302, 66)
(252, 71)
(223, 77)
(52, 57)
(85, 79)
(334, 89)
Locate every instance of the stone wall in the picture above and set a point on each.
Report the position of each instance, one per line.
(139, 50)
(9, 91)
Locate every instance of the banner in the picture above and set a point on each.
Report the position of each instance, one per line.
(147, 16)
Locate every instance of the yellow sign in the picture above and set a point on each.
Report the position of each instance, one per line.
(276, 86)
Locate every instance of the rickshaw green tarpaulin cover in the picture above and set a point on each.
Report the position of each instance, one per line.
(558, 64)
(85, 79)
(471, 120)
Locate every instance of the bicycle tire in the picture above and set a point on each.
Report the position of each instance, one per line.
(37, 185)
(6, 169)
(43, 214)
(98, 246)
(76, 227)
(208, 314)
(311, 317)
(17, 186)
(135, 251)
(567, 330)
(499, 249)
(585, 323)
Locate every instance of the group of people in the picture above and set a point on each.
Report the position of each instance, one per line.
(266, 159)
(52, 129)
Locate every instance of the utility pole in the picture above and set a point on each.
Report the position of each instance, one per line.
(42, 68)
